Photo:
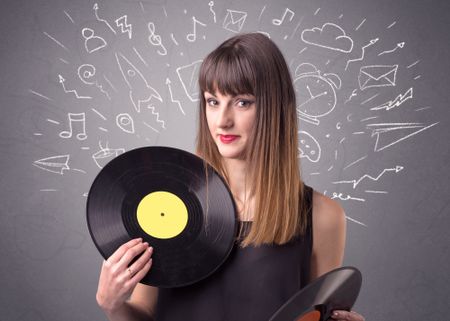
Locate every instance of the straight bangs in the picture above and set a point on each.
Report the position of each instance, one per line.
(228, 71)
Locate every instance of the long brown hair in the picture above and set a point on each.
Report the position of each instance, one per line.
(253, 64)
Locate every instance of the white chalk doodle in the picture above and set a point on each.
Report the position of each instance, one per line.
(140, 57)
(370, 98)
(188, 76)
(124, 26)
(391, 25)
(371, 42)
(53, 121)
(317, 11)
(54, 164)
(77, 121)
(389, 134)
(400, 99)
(168, 83)
(341, 197)
(355, 221)
(64, 61)
(353, 94)
(140, 91)
(211, 5)
(234, 20)
(39, 95)
(261, 12)
(125, 122)
(316, 93)
(62, 81)
(399, 46)
(417, 77)
(95, 8)
(309, 147)
(165, 11)
(109, 83)
(375, 192)
(296, 27)
(106, 154)
(173, 39)
(355, 162)
(356, 182)
(191, 37)
(359, 26)
(68, 16)
(152, 128)
(86, 73)
(92, 43)
(56, 41)
(278, 22)
(413, 64)
(377, 76)
(156, 114)
(329, 36)
(155, 39)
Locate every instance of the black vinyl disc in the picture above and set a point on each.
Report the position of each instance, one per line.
(335, 290)
(170, 199)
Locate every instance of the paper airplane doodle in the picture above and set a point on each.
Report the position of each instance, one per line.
(188, 76)
(330, 36)
(400, 99)
(106, 154)
(54, 164)
(377, 76)
(392, 133)
(234, 20)
(140, 91)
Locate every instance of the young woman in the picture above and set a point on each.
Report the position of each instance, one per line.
(289, 234)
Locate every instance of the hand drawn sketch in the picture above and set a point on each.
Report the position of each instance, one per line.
(389, 134)
(92, 43)
(125, 122)
(156, 114)
(188, 76)
(399, 46)
(86, 73)
(106, 154)
(191, 37)
(309, 147)
(278, 22)
(140, 91)
(95, 8)
(234, 20)
(121, 22)
(155, 39)
(62, 81)
(77, 121)
(400, 99)
(316, 93)
(377, 76)
(363, 51)
(329, 36)
(54, 164)
(356, 182)
(168, 83)
(211, 5)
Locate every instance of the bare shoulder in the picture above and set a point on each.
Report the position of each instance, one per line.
(145, 297)
(329, 228)
(327, 213)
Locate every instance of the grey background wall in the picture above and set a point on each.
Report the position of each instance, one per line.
(83, 81)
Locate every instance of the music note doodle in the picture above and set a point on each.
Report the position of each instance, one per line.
(193, 36)
(77, 121)
(155, 39)
(278, 22)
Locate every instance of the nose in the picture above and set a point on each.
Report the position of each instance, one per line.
(225, 117)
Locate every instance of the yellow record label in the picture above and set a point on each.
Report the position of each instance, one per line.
(162, 215)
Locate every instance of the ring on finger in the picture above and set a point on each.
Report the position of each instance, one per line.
(130, 271)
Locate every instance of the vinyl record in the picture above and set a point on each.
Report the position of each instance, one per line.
(335, 290)
(168, 197)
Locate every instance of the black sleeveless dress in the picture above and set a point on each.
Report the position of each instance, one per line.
(250, 286)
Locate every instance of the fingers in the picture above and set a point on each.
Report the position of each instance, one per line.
(117, 255)
(341, 315)
(130, 254)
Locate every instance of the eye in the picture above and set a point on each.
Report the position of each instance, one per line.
(244, 103)
(211, 102)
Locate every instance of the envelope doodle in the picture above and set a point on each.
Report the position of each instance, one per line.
(377, 76)
(234, 20)
(188, 75)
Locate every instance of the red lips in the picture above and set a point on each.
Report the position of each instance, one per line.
(227, 139)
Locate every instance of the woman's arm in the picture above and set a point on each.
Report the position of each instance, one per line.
(329, 228)
(119, 294)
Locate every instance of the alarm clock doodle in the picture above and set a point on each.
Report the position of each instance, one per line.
(316, 93)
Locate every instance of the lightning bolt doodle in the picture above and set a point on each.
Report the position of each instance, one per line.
(400, 99)
(355, 183)
(154, 112)
(124, 26)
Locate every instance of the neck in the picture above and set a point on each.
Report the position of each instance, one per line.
(240, 186)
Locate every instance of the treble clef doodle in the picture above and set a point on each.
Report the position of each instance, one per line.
(155, 39)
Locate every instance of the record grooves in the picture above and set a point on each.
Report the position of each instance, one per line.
(167, 197)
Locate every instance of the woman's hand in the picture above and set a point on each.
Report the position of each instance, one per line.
(117, 278)
(340, 315)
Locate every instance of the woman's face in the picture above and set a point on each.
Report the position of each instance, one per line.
(230, 121)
